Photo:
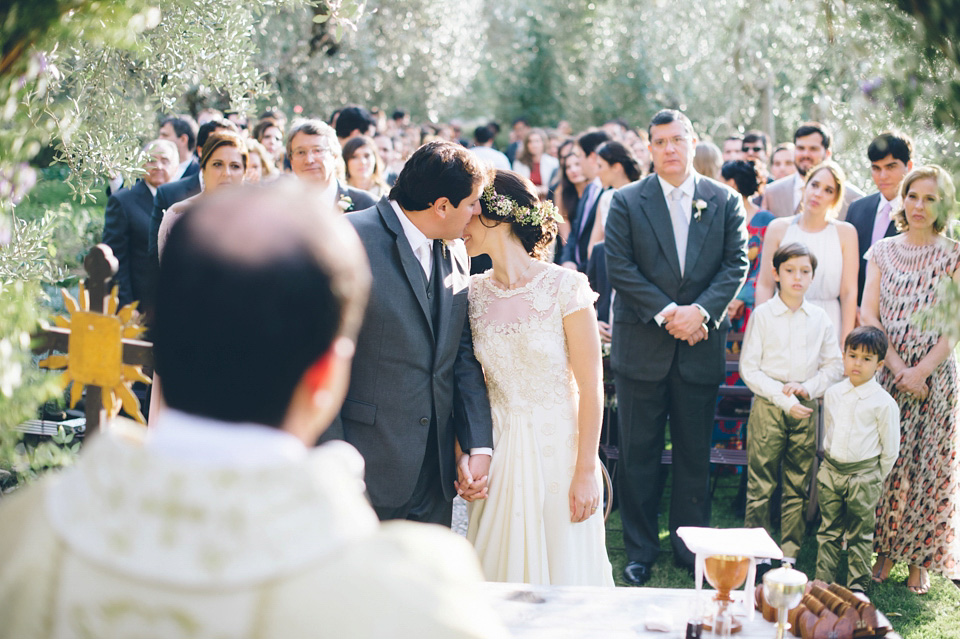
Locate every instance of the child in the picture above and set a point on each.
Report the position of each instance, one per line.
(861, 444)
(790, 357)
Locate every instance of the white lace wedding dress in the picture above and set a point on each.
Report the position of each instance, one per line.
(522, 531)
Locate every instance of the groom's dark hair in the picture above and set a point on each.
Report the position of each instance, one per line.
(666, 116)
(435, 170)
(255, 285)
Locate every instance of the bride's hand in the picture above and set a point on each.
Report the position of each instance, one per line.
(472, 472)
(585, 496)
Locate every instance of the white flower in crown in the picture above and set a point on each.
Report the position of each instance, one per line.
(345, 203)
(698, 206)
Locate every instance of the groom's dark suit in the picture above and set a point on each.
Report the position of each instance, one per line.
(415, 386)
(656, 374)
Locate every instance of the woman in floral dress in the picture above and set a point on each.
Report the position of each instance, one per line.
(919, 512)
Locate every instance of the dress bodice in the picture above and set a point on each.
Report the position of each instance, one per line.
(910, 277)
(519, 338)
(825, 245)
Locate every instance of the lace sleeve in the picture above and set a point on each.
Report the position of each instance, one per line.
(575, 293)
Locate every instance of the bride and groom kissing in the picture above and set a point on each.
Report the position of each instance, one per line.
(418, 407)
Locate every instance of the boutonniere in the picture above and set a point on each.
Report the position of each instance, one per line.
(698, 206)
(345, 203)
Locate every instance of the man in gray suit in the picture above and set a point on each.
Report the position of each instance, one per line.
(416, 390)
(782, 197)
(676, 256)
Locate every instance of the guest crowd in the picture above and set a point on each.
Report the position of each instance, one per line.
(687, 244)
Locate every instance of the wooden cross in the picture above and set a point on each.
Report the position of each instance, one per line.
(102, 352)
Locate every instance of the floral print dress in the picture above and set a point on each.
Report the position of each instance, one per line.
(919, 511)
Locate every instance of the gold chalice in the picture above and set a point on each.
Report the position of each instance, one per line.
(783, 589)
(725, 573)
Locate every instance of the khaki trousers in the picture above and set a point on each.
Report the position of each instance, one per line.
(848, 505)
(775, 438)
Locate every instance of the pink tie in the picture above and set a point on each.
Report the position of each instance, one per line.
(881, 223)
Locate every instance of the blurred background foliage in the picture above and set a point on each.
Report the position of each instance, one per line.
(83, 83)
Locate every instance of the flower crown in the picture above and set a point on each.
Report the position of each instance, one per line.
(525, 215)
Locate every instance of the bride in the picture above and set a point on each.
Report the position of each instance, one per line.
(535, 333)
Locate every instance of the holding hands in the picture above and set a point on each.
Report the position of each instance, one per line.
(472, 473)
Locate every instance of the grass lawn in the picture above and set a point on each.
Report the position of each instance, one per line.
(935, 615)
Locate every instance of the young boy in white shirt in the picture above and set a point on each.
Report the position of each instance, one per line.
(790, 357)
(861, 444)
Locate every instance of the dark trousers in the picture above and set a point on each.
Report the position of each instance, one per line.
(643, 411)
(428, 503)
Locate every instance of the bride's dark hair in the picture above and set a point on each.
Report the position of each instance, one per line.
(535, 238)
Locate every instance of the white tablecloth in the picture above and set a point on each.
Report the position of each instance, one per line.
(558, 612)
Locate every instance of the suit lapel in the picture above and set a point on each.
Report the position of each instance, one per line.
(408, 261)
(697, 235)
(654, 205)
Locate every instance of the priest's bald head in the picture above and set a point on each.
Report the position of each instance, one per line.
(260, 297)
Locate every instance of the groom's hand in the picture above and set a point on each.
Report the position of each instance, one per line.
(684, 322)
(472, 473)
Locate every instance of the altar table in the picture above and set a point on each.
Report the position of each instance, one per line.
(560, 612)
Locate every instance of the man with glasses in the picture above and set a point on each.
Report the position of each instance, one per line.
(676, 255)
(315, 156)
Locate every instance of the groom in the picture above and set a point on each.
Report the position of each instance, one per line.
(676, 255)
(416, 388)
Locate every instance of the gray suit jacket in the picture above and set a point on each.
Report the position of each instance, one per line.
(403, 375)
(644, 269)
(778, 198)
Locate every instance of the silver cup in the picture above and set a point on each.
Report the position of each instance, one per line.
(783, 589)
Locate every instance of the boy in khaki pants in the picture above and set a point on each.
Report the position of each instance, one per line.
(790, 358)
(861, 444)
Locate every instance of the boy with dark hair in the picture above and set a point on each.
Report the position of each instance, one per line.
(790, 358)
(861, 444)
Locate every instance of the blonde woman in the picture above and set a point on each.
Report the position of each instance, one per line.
(834, 243)
(917, 518)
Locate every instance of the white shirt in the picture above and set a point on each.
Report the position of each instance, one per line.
(179, 435)
(783, 346)
(798, 181)
(861, 422)
(492, 157)
(686, 204)
(182, 167)
(422, 245)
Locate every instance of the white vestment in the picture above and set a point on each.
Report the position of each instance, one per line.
(135, 542)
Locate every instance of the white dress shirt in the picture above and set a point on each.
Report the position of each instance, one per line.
(861, 422)
(783, 346)
(181, 168)
(422, 245)
(798, 182)
(686, 202)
